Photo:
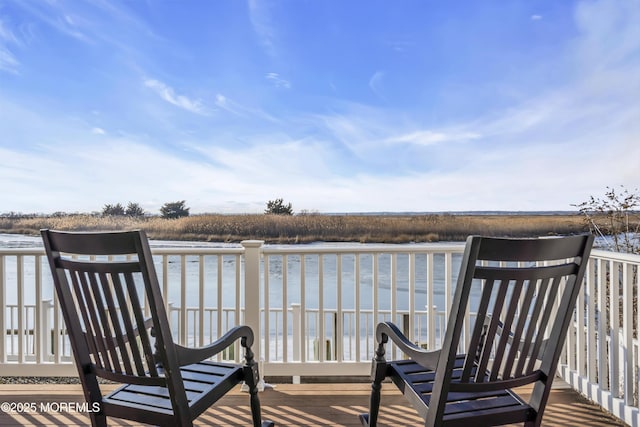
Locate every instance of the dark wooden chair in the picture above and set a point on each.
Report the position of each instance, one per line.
(511, 310)
(105, 282)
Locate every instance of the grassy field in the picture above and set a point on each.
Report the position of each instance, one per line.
(311, 228)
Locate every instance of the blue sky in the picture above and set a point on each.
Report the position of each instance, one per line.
(333, 105)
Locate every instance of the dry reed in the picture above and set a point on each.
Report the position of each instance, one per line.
(309, 228)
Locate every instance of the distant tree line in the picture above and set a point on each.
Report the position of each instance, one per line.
(170, 210)
(132, 209)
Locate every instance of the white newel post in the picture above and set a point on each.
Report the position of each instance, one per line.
(252, 253)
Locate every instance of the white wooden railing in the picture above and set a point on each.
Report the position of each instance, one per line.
(315, 308)
(601, 359)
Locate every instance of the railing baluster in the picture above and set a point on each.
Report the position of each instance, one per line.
(303, 307)
(603, 329)
(37, 319)
(285, 314)
(431, 307)
(627, 329)
(267, 315)
(614, 308)
(412, 297)
(357, 283)
(3, 311)
(182, 334)
(20, 292)
(251, 295)
(376, 292)
(201, 301)
(581, 338)
(219, 314)
(591, 321)
(321, 314)
(339, 313)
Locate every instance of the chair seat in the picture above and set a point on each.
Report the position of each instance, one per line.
(462, 409)
(204, 383)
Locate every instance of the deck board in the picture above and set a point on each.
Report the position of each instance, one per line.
(306, 405)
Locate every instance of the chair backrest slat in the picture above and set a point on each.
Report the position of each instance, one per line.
(519, 330)
(140, 325)
(547, 302)
(90, 286)
(89, 309)
(479, 332)
(511, 310)
(125, 318)
(114, 322)
(491, 333)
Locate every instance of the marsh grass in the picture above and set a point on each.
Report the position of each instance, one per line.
(311, 228)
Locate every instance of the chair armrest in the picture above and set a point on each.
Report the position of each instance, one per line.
(425, 358)
(187, 356)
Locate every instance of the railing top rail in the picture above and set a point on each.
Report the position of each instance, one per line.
(156, 251)
(351, 248)
(21, 251)
(197, 251)
(615, 256)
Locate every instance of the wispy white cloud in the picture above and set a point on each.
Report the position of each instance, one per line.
(94, 23)
(536, 17)
(262, 22)
(609, 34)
(60, 17)
(278, 81)
(375, 83)
(367, 131)
(227, 105)
(401, 45)
(8, 60)
(168, 94)
(429, 137)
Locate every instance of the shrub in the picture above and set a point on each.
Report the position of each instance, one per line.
(613, 216)
(134, 209)
(113, 210)
(277, 207)
(174, 210)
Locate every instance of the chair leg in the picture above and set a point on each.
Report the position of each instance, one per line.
(251, 378)
(379, 372)
(98, 420)
(371, 419)
(256, 413)
(255, 409)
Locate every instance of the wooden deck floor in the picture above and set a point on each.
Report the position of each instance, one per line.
(287, 405)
